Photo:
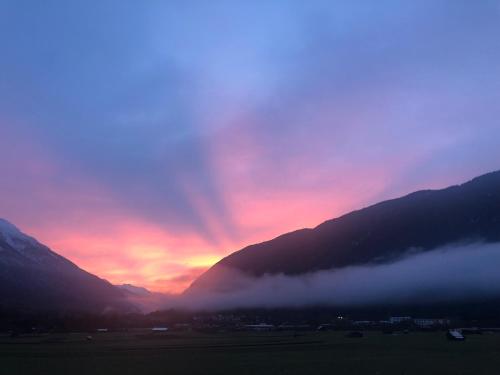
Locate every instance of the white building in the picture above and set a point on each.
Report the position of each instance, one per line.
(431, 322)
(159, 329)
(260, 327)
(399, 319)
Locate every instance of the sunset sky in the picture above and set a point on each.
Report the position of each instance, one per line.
(145, 140)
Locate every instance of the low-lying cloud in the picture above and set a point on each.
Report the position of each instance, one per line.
(448, 274)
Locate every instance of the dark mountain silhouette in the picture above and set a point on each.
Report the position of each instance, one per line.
(133, 290)
(421, 221)
(34, 278)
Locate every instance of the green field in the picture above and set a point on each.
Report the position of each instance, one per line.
(248, 353)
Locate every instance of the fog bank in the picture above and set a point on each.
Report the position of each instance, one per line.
(454, 273)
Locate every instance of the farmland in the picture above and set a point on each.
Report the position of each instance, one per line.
(241, 353)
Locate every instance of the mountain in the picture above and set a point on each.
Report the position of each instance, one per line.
(34, 278)
(419, 222)
(134, 290)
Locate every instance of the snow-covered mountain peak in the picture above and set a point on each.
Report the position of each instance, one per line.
(34, 277)
(7, 228)
(11, 238)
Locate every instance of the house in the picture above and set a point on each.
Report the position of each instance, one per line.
(399, 319)
(425, 323)
(159, 329)
(259, 327)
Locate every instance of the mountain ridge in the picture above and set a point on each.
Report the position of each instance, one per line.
(35, 278)
(422, 221)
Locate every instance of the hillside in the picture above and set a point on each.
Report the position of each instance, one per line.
(421, 221)
(34, 278)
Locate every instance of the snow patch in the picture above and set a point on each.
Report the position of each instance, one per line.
(25, 245)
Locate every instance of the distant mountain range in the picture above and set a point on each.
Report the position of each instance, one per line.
(34, 278)
(134, 290)
(419, 222)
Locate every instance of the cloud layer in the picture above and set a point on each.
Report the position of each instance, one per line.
(451, 274)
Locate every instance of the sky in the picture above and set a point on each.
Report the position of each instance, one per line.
(147, 140)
